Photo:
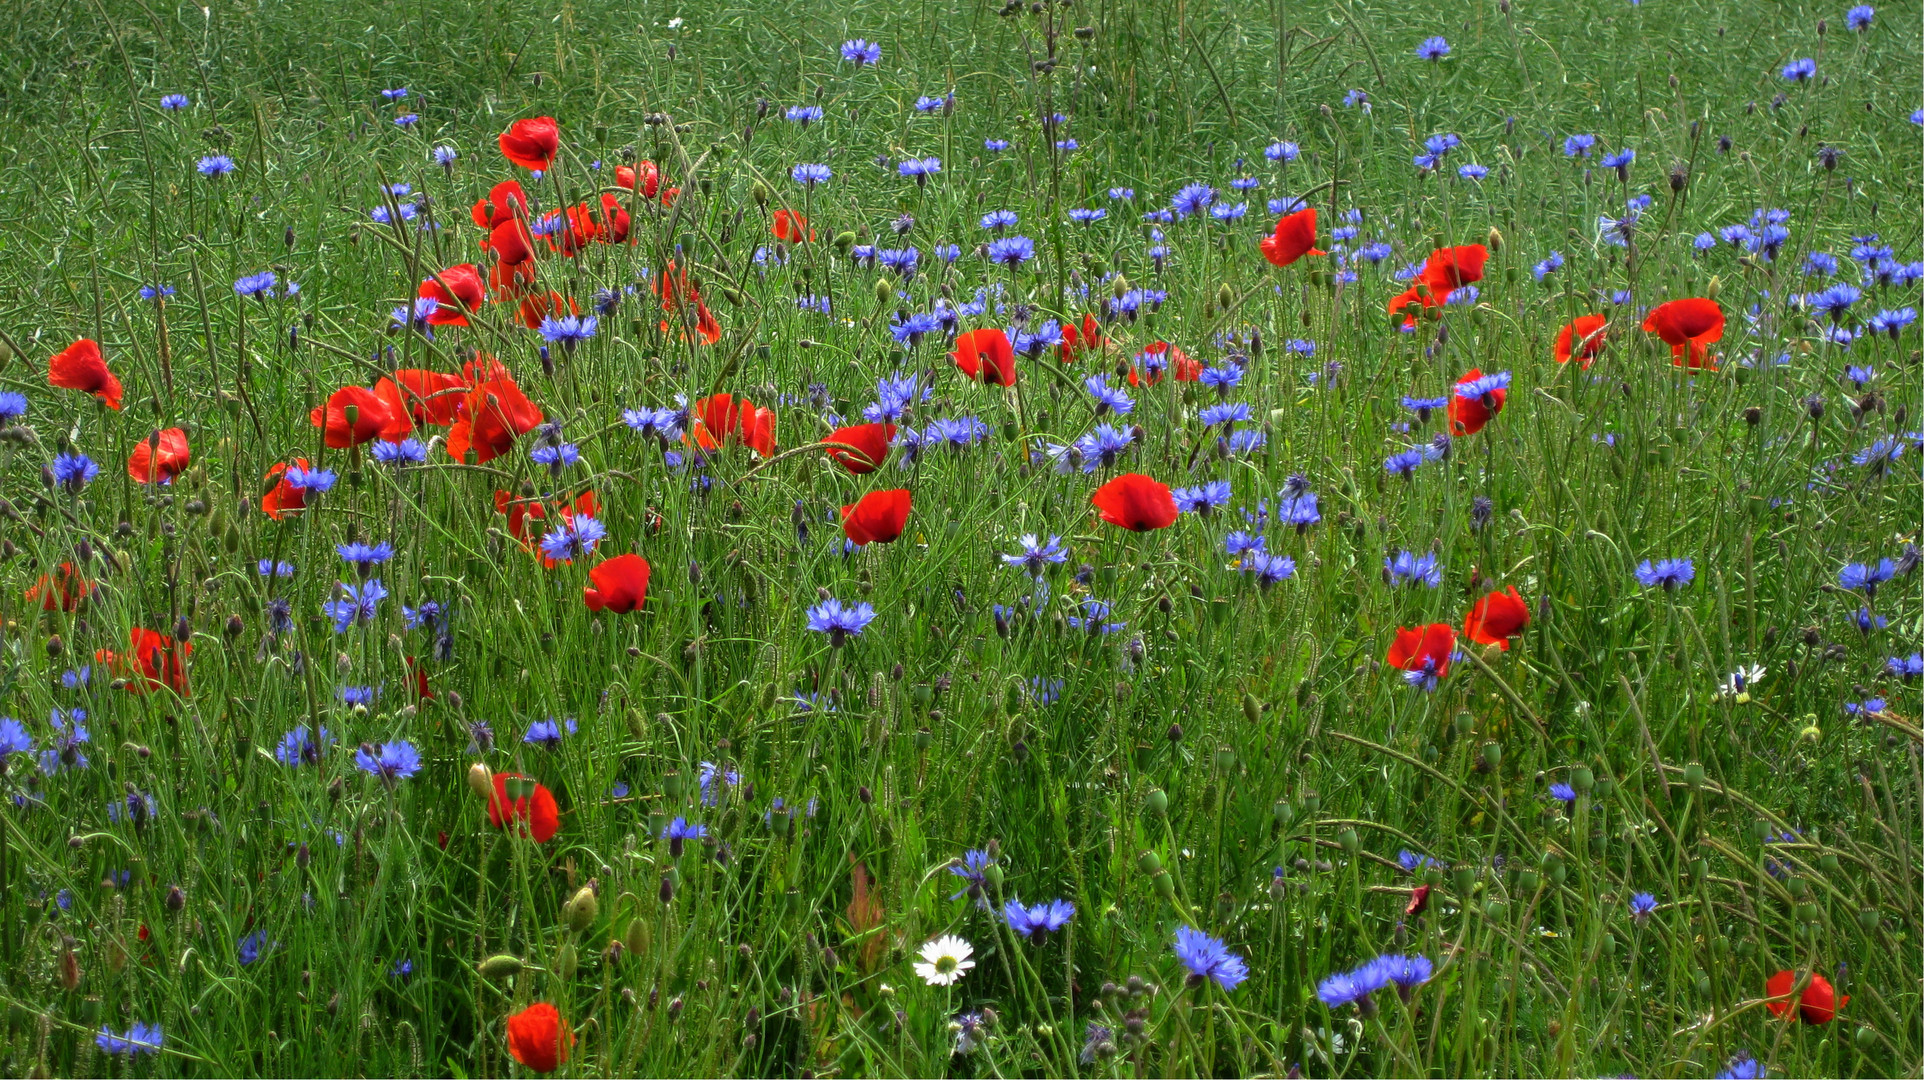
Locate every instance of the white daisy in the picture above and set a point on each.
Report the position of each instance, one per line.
(1737, 684)
(945, 960)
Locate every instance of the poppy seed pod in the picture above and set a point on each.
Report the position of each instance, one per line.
(1157, 803)
(500, 966)
(1349, 841)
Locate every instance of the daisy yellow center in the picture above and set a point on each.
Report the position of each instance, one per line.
(944, 964)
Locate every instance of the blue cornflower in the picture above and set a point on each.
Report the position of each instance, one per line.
(359, 695)
(1036, 555)
(1102, 447)
(1221, 379)
(215, 166)
(261, 284)
(973, 869)
(401, 969)
(1703, 242)
(1481, 387)
(1011, 251)
(1411, 862)
(174, 102)
(840, 623)
(1340, 989)
(1472, 171)
(1375, 253)
(445, 156)
(1879, 454)
(1355, 98)
(1405, 972)
(1403, 463)
(1282, 151)
(1408, 568)
(711, 778)
(1820, 262)
(1619, 160)
(1866, 578)
(403, 452)
(1867, 621)
(407, 120)
(365, 556)
(271, 568)
(1867, 707)
(1742, 1066)
(1223, 414)
(926, 103)
(803, 114)
(1578, 145)
(1433, 49)
(298, 747)
(999, 219)
(1799, 70)
(1122, 194)
(355, 605)
(1641, 905)
(1108, 398)
(396, 94)
(1905, 667)
(1551, 264)
(390, 761)
(860, 52)
(1087, 215)
(679, 832)
(1245, 183)
(958, 433)
(1296, 504)
(900, 260)
(1246, 441)
(920, 169)
(73, 470)
(995, 146)
(1563, 793)
(810, 175)
(1669, 573)
(250, 947)
(1240, 543)
(1207, 958)
(1423, 407)
(555, 457)
(548, 733)
(573, 539)
(1192, 199)
(1203, 499)
(140, 1039)
(1892, 322)
(315, 480)
(1226, 212)
(13, 738)
(1046, 336)
(568, 330)
(12, 405)
(1040, 919)
(1835, 301)
(1270, 569)
(68, 736)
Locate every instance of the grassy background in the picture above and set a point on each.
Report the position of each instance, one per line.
(765, 962)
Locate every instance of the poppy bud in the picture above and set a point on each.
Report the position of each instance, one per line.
(580, 910)
(500, 966)
(1495, 239)
(1716, 286)
(1225, 296)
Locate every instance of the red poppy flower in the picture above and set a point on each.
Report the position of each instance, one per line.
(1174, 360)
(1423, 649)
(791, 228)
(676, 293)
(719, 421)
(400, 420)
(986, 356)
(1468, 415)
(535, 807)
(508, 281)
(1687, 326)
(159, 458)
(531, 143)
(283, 498)
(612, 227)
(870, 443)
(371, 415)
(876, 518)
(81, 367)
(1818, 1004)
(1411, 301)
(1073, 340)
(536, 307)
(157, 661)
(506, 202)
(1582, 337)
(419, 682)
(426, 397)
(1419, 899)
(538, 1039)
(707, 329)
(463, 292)
(645, 171)
(1136, 502)
(511, 241)
(1497, 618)
(1295, 237)
(1451, 268)
(61, 593)
(493, 414)
(621, 585)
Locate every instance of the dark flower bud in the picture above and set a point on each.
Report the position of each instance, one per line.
(176, 899)
(1175, 733)
(1753, 416)
(1814, 405)
(183, 630)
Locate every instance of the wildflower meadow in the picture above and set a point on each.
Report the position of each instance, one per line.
(928, 537)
